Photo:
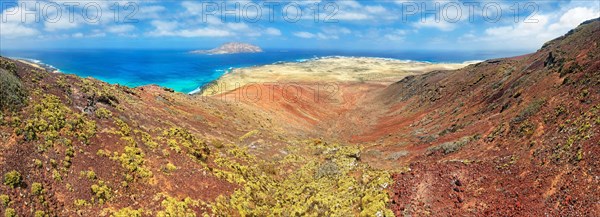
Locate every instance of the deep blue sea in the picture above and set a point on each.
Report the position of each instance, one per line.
(185, 72)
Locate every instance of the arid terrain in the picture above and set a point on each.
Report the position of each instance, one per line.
(516, 136)
(326, 70)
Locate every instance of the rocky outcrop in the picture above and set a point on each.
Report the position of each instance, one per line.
(231, 48)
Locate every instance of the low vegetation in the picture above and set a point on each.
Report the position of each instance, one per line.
(128, 212)
(322, 186)
(50, 116)
(37, 188)
(454, 146)
(10, 212)
(196, 148)
(101, 192)
(173, 207)
(12, 93)
(12, 179)
(4, 200)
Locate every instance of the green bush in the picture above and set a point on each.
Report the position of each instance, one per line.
(80, 203)
(12, 93)
(133, 160)
(4, 200)
(36, 188)
(9, 66)
(10, 212)
(40, 213)
(101, 191)
(103, 113)
(328, 170)
(89, 174)
(531, 109)
(169, 167)
(178, 136)
(454, 146)
(175, 207)
(12, 179)
(127, 212)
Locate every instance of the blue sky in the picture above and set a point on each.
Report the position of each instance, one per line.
(341, 25)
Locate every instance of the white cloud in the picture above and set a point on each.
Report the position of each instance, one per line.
(203, 32)
(326, 36)
(396, 35)
(16, 30)
(13, 26)
(572, 18)
(336, 31)
(77, 35)
(318, 35)
(273, 31)
(349, 4)
(237, 26)
(332, 32)
(526, 35)
(304, 35)
(447, 18)
(375, 9)
(351, 10)
(163, 28)
(344, 15)
(150, 12)
(61, 24)
(192, 8)
(94, 34)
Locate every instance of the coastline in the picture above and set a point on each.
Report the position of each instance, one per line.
(366, 68)
(37, 64)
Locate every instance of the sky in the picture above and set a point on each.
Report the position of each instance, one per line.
(471, 25)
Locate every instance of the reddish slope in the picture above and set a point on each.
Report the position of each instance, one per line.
(519, 134)
(534, 120)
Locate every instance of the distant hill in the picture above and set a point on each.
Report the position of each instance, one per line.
(231, 48)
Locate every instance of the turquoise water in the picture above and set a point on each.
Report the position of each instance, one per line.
(185, 72)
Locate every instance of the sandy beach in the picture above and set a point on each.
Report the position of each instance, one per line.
(42, 66)
(329, 69)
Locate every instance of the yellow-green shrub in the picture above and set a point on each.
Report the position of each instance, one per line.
(174, 207)
(195, 147)
(4, 200)
(10, 212)
(127, 212)
(12, 178)
(101, 191)
(36, 188)
(103, 113)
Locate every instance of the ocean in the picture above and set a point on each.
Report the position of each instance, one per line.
(186, 72)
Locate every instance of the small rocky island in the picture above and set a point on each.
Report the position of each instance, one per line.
(231, 48)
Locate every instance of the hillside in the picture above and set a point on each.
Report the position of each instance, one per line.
(513, 136)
